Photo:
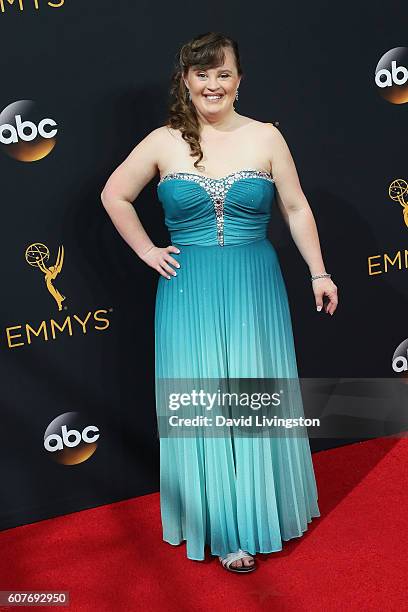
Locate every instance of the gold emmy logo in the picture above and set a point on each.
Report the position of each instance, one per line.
(397, 190)
(36, 255)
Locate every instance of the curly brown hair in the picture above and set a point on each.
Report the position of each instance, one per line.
(202, 52)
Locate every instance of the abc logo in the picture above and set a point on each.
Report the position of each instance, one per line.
(25, 134)
(70, 439)
(391, 75)
(400, 359)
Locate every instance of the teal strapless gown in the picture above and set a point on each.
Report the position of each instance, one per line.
(226, 314)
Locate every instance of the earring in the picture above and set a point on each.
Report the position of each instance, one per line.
(236, 94)
(189, 94)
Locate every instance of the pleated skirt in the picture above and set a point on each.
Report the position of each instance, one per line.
(226, 314)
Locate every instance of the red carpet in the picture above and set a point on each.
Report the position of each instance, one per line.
(112, 558)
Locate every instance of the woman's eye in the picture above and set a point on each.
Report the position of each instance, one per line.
(201, 74)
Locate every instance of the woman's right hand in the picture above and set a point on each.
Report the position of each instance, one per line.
(159, 258)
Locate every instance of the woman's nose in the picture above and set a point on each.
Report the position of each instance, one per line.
(212, 84)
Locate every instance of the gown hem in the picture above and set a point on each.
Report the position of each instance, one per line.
(262, 552)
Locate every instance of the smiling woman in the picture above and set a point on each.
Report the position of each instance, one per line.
(206, 81)
(224, 314)
(215, 83)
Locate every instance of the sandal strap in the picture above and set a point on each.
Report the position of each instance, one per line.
(231, 557)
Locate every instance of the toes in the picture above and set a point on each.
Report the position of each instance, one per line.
(244, 562)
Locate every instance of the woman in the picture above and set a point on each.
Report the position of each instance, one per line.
(221, 305)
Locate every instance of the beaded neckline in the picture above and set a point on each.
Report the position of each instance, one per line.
(221, 178)
(217, 189)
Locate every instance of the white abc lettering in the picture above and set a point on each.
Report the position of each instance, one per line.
(41, 130)
(90, 438)
(67, 434)
(400, 364)
(55, 447)
(397, 76)
(8, 139)
(18, 132)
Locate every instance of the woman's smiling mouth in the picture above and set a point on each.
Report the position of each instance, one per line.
(213, 97)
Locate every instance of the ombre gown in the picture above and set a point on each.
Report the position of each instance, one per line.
(226, 314)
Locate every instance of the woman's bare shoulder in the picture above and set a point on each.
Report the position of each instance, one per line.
(158, 134)
(270, 133)
(259, 127)
(165, 131)
(267, 127)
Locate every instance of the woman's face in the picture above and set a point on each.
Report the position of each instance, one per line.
(213, 90)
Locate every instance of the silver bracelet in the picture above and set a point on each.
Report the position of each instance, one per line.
(312, 278)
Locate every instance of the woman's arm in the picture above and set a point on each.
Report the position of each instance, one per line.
(298, 215)
(123, 187)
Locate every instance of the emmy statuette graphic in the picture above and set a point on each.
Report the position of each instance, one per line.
(397, 190)
(36, 255)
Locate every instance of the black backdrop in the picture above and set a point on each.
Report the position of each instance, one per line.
(101, 71)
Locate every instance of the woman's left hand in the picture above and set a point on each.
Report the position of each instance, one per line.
(325, 287)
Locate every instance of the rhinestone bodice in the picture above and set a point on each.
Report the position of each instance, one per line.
(240, 206)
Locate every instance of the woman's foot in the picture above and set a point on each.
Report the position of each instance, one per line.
(240, 561)
(246, 561)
